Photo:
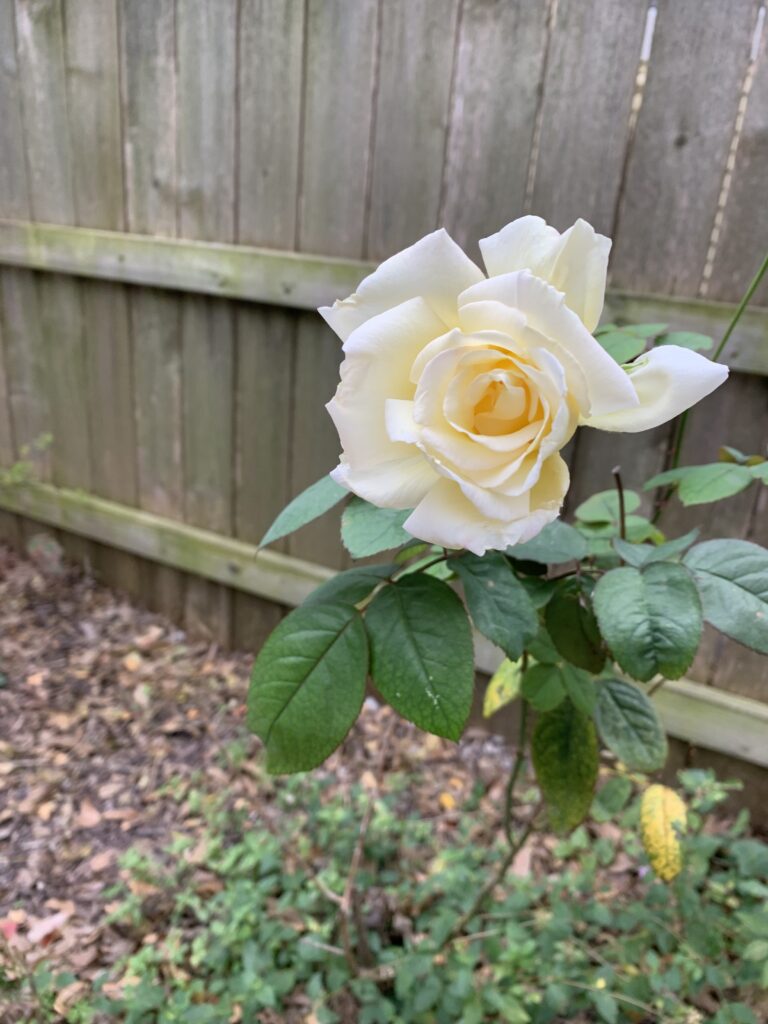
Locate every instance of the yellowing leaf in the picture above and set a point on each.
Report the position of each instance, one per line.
(447, 801)
(662, 815)
(503, 687)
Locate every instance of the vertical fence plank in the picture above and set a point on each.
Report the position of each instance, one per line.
(269, 89)
(498, 70)
(743, 240)
(93, 95)
(339, 73)
(14, 202)
(42, 78)
(148, 94)
(206, 50)
(417, 57)
(585, 111)
(683, 135)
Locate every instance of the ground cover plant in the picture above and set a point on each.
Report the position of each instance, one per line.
(583, 930)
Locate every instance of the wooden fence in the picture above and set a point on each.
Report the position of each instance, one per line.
(167, 165)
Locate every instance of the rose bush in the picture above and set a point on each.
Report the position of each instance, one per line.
(458, 391)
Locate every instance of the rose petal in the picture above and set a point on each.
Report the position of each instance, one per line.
(668, 380)
(447, 517)
(400, 483)
(434, 268)
(575, 262)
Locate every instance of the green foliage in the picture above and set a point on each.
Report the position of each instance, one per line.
(367, 530)
(263, 940)
(629, 341)
(629, 726)
(308, 685)
(497, 601)
(565, 756)
(351, 586)
(422, 660)
(699, 485)
(305, 507)
(650, 618)
(732, 579)
(572, 627)
(558, 542)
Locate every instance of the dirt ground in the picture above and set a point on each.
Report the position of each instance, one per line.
(106, 712)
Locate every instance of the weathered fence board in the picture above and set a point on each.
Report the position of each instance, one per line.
(500, 54)
(579, 167)
(183, 181)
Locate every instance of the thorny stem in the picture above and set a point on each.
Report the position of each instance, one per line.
(622, 506)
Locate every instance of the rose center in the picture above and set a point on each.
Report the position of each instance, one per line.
(505, 406)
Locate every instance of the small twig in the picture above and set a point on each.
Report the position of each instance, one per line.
(517, 766)
(656, 686)
(622, 506)
(491, 884)
(615, 995)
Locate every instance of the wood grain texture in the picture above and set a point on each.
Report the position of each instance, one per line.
(743, 240)
(206, 55)
(683, 135)
(93, 105)
(271, 74)
(148, 101)
(498, 70)
(585, 111)
(43, 91)
(270, 41)
(416, 71)
(338, 97)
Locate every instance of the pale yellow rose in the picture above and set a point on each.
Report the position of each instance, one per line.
(458, 391)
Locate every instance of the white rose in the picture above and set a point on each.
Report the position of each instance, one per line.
(458, 391)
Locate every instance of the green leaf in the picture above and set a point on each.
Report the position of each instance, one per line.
(580, 687)
(573, 628)
(603, 507)
(697, 485)
(629, 726)
(543, 687)
(643, 554)
(565, 758)
(304, 508)
(621, 345)
(645, 330)
(497, 601)
(542, 649)
(558, 542)
(367, 530)
(351, 586)
(760, 471)
(308, 685)
(732, 579)
(650, 618)
(421, 653)
(606, 1006)
(687, 339)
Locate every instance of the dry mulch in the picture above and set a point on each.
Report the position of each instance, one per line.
(108, 715)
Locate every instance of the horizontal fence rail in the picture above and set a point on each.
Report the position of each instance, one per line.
(306, 281)
(698, 714)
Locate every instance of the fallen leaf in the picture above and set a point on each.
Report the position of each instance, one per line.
(45, 810)
(133, 662)
(88, 816)
(447, 801)
(101, 861)
(45, 928)
(68, 996)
